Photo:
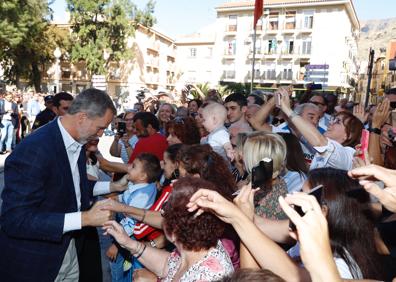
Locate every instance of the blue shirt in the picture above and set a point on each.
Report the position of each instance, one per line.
(141, 196)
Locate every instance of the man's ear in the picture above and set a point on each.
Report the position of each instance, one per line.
(81, 116)
(325, 210)
(244, 109)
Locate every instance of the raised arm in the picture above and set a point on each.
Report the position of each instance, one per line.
(115, 148)
(258, 244)
(258, 120)
(109, 166)
(306, 129)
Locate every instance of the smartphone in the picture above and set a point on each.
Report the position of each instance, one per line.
(317, 193)
(262, 173)
(364, 143)
(277, 99)
(121, 129)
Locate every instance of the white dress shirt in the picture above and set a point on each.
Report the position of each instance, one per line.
(73, 149)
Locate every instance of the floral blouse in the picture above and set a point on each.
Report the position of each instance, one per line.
(267, 204)
(214, 266)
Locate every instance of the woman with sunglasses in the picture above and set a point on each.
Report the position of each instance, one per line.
(335, 148)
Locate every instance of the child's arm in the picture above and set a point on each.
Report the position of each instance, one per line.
(229, 150)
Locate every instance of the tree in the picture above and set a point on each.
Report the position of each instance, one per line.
(27, 40)
(103, 26)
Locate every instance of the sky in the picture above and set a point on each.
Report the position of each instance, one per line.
(178, 17)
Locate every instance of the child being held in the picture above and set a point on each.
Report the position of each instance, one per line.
(143, 173)
(214, 116)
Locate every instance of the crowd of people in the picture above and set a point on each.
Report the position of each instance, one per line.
(249, 188)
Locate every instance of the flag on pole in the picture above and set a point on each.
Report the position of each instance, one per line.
(258, 11)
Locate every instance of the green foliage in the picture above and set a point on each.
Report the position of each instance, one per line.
(104, 26)
(236, 87)
(26, 39)
(146, 17)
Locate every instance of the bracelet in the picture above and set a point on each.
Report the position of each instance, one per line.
(144, 215)
(139, 248)
(141, 253)
(375, 130)
(292, 115)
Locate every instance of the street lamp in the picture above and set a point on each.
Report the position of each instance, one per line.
(57, 74)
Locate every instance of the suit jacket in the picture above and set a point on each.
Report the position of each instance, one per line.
(38, 192)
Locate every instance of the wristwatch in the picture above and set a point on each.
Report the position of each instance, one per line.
(375, 130)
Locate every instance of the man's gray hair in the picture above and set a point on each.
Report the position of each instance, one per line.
(300, 108)
(93, 102)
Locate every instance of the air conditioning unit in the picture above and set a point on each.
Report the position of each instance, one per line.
(247, 42)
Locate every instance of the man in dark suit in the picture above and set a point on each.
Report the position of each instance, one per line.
(46, 197)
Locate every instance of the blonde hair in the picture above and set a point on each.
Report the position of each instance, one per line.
(264, 144)
(216, 109)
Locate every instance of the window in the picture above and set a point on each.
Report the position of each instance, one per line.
(287, 74)
(306, 47)
(230, 47)
(308, 19)
(258, 46)
(289, 46)
(193, 52)
(273, 21)
(290, 20)
(272, 45)
(232, 23)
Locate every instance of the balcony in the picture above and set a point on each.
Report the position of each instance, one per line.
(231, 30)
(154, 46)
(269, 75)
(153, 63)
(271, 55)
(257, 76)
(286, 76)
(151, 78)
(259, 29)
(287, 55)
(229, 55)
(257, 56)
(228, 75)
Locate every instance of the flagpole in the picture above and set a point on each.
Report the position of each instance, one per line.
(254, 58)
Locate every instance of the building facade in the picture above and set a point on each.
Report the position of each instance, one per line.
(297, 42)
(153, 67)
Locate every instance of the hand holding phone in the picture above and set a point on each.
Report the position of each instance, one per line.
(121, 129)
(278, 99)
(317, 193)
(262, 173)
(364, 143)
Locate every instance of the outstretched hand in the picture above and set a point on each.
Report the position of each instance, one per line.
(205, 200)
(369, 174)
(312, 234)
(114, 229)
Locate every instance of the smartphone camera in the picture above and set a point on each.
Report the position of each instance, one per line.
(317, 193)
(262, 173)
(121, 129)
